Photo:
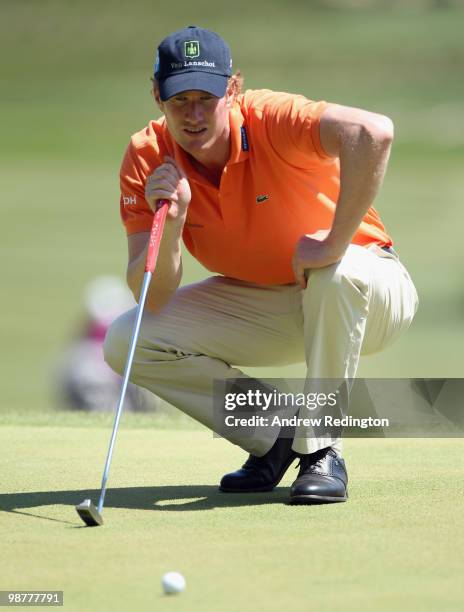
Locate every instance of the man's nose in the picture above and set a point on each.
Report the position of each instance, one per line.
(195, 111)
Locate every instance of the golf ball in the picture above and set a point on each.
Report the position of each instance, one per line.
(173, 582)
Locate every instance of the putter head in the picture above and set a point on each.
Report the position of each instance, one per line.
(89, 514)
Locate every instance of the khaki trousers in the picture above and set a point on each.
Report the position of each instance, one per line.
(359, 305)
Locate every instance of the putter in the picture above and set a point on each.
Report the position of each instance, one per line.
(91, 515)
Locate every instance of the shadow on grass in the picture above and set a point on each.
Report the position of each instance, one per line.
(170, 498)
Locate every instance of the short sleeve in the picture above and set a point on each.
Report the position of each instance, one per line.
(136, 215)
(293, 129)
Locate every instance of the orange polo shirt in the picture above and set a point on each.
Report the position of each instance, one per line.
(277, 185)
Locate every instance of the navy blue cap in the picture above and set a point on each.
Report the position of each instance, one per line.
(193, 58)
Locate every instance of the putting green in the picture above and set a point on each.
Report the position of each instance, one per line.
(396, 544)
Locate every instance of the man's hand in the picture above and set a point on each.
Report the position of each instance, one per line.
(313, 251)
(169, 182)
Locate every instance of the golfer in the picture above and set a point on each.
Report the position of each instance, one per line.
(273, 193)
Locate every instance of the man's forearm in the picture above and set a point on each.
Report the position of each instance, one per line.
(168, 271)
(364, 153)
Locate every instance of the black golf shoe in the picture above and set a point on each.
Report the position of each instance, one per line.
(322, 479)
(261, 473)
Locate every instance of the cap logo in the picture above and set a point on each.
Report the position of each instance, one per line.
(192, 49)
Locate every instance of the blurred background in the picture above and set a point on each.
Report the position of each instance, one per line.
(76, 85)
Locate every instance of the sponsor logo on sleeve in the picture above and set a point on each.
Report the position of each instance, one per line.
(129, 200)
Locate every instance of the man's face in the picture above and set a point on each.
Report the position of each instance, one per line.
(197, 120)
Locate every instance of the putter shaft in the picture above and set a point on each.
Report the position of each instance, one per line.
(135, 333)
(91, 515)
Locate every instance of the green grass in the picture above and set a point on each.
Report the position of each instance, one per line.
(395, 544)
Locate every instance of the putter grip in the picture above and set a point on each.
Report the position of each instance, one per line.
(156, 234)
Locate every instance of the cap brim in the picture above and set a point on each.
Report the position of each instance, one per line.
(214, 84)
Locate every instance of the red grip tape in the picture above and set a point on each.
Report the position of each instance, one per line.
(156, 233)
